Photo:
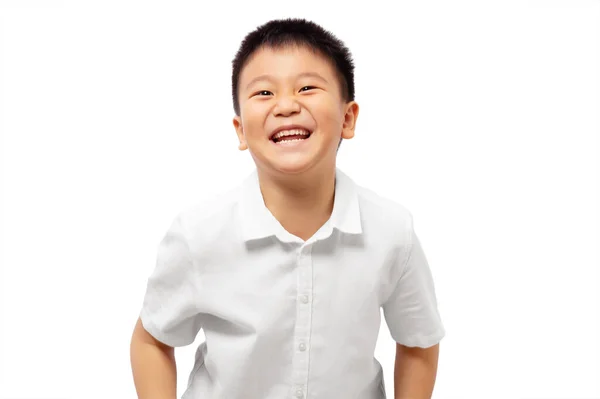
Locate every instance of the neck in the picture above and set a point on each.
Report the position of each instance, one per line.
(301, 203)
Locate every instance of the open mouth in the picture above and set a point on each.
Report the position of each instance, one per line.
(290, 136)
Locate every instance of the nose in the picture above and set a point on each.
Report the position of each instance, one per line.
(286, 106)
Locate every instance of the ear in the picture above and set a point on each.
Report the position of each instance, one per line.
(237, 124)
(350, 117)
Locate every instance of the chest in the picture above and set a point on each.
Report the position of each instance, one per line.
(265, 290)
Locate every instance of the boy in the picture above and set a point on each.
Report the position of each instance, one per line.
(287, 273)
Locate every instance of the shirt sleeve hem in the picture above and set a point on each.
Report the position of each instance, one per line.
(156, 333)
(422, 341)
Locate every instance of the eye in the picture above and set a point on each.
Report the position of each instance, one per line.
(305, 88)
(263, 93)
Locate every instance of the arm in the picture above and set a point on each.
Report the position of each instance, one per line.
(153, 366)
(415, 371)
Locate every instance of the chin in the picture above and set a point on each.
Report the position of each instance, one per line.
(287, 167)
(291, 168)
(292, 162)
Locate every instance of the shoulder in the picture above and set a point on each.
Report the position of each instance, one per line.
(211, 216)
(384, 213)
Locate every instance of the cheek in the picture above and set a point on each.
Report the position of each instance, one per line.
(328, 114)
(252, 120)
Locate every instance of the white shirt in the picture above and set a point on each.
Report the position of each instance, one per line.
(285, 318)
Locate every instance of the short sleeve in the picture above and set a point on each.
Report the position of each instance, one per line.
(170, 312)
(410, 311)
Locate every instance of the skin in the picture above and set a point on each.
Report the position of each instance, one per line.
(297, 184)
(294, 85)
(153, 366)
(415, 371)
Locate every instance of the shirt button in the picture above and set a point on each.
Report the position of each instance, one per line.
(302, 347)
(299, 393)
(304, 298)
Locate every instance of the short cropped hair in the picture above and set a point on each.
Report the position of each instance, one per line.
(281, 33)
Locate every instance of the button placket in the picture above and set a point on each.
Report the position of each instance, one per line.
(303, 321)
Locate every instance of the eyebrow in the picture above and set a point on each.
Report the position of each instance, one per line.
(301, 75)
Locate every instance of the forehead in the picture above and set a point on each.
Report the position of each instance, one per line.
(285, 62)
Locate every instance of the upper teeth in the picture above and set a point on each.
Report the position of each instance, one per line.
(292, 132)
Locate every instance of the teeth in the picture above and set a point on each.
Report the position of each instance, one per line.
(291, 132)
(289, 141)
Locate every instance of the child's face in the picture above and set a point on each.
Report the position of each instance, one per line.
(292, 86)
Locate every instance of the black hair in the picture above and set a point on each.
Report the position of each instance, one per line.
(300, 32)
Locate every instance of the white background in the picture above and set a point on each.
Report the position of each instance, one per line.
(481, 117)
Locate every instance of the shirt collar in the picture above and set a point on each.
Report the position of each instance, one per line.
(258, 222)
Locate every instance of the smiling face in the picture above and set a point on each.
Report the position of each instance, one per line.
(295, 92)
